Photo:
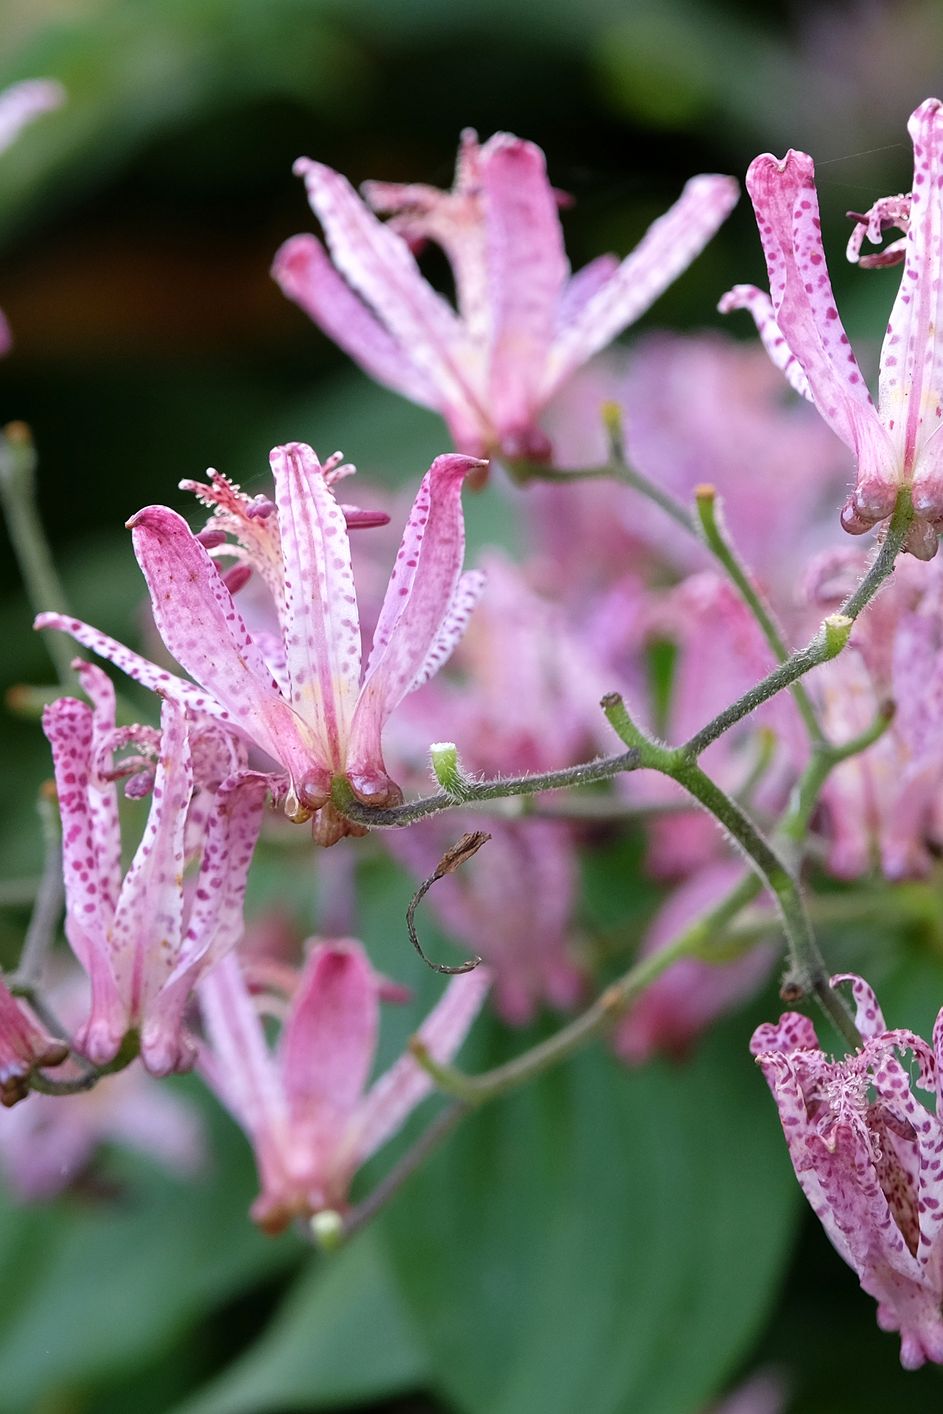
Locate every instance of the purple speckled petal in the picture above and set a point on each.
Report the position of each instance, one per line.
(787, 213)
(869, 1018)
(468, 592)
(304, 272)
(321, 625)
(215, 923)
(202, 628)
(148, 925)
(911, 396)
(527, 272)
(381, 268)
(68, 725)
(667, 248)
(417, 602)
(103, 799)
(759, 305)
(330, 1038)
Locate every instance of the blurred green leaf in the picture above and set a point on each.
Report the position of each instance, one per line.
(341, 1337)
(603, 1241)
(96, 1287)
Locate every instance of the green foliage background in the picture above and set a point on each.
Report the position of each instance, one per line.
(606, 1241)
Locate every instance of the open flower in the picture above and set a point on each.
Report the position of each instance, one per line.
(869, 1159)
(523, 324)
(298, 694)
(305, 1105)
(141, 940)
(895, 444)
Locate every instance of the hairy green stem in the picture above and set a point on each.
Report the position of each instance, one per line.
(827, 643)
(476, 1089)
(721, 547)
(396, 816)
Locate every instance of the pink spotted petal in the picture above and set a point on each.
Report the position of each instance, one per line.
(758, 304)
(321, 626)
(103, 799)
(239, 1067)
(22, 102)
(202, 628)
(215, 923)
(305, 274)
(792, 1032)
(468, 592)
(454, 221)
(89, 915)
(397, 1092)
(330, 1037)
(667, 248)
(527, 271)
(912, 357)
(417, 603)
(380, 267)
(787, 213)
(869, 1018)
(148, 925)
(139, 669)
(584, 286)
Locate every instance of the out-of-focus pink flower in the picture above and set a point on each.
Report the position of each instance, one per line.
(681, 1003)
(305, 1105)
(523, 324)
(526, 688)
(895, 444)
(142, 944)
(697, 408)
(513, 906)
(299, 694)
(24, 1047)
(884, 808)
(869, 1158)
(720, 653)
(48, 1143)
(19, 105)
(762, 1393)
(524, 697)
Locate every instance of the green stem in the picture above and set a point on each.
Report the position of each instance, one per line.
(808, 973)
(721, 547)
(477, 1089)
(827, 643)
(41, 581)
(613, 471)
(396, 816)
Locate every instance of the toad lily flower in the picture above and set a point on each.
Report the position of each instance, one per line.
(869, 1159)
(298, 695)
(895, 444)
(141, 941)
(305, 1106)
(523, 324)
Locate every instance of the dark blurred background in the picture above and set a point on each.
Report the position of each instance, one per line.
(136, 230)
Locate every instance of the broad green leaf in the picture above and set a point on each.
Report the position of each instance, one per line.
(341, 1337)
(603, 1241)
(97, 1286)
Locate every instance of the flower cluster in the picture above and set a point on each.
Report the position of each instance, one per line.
(661, 546)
